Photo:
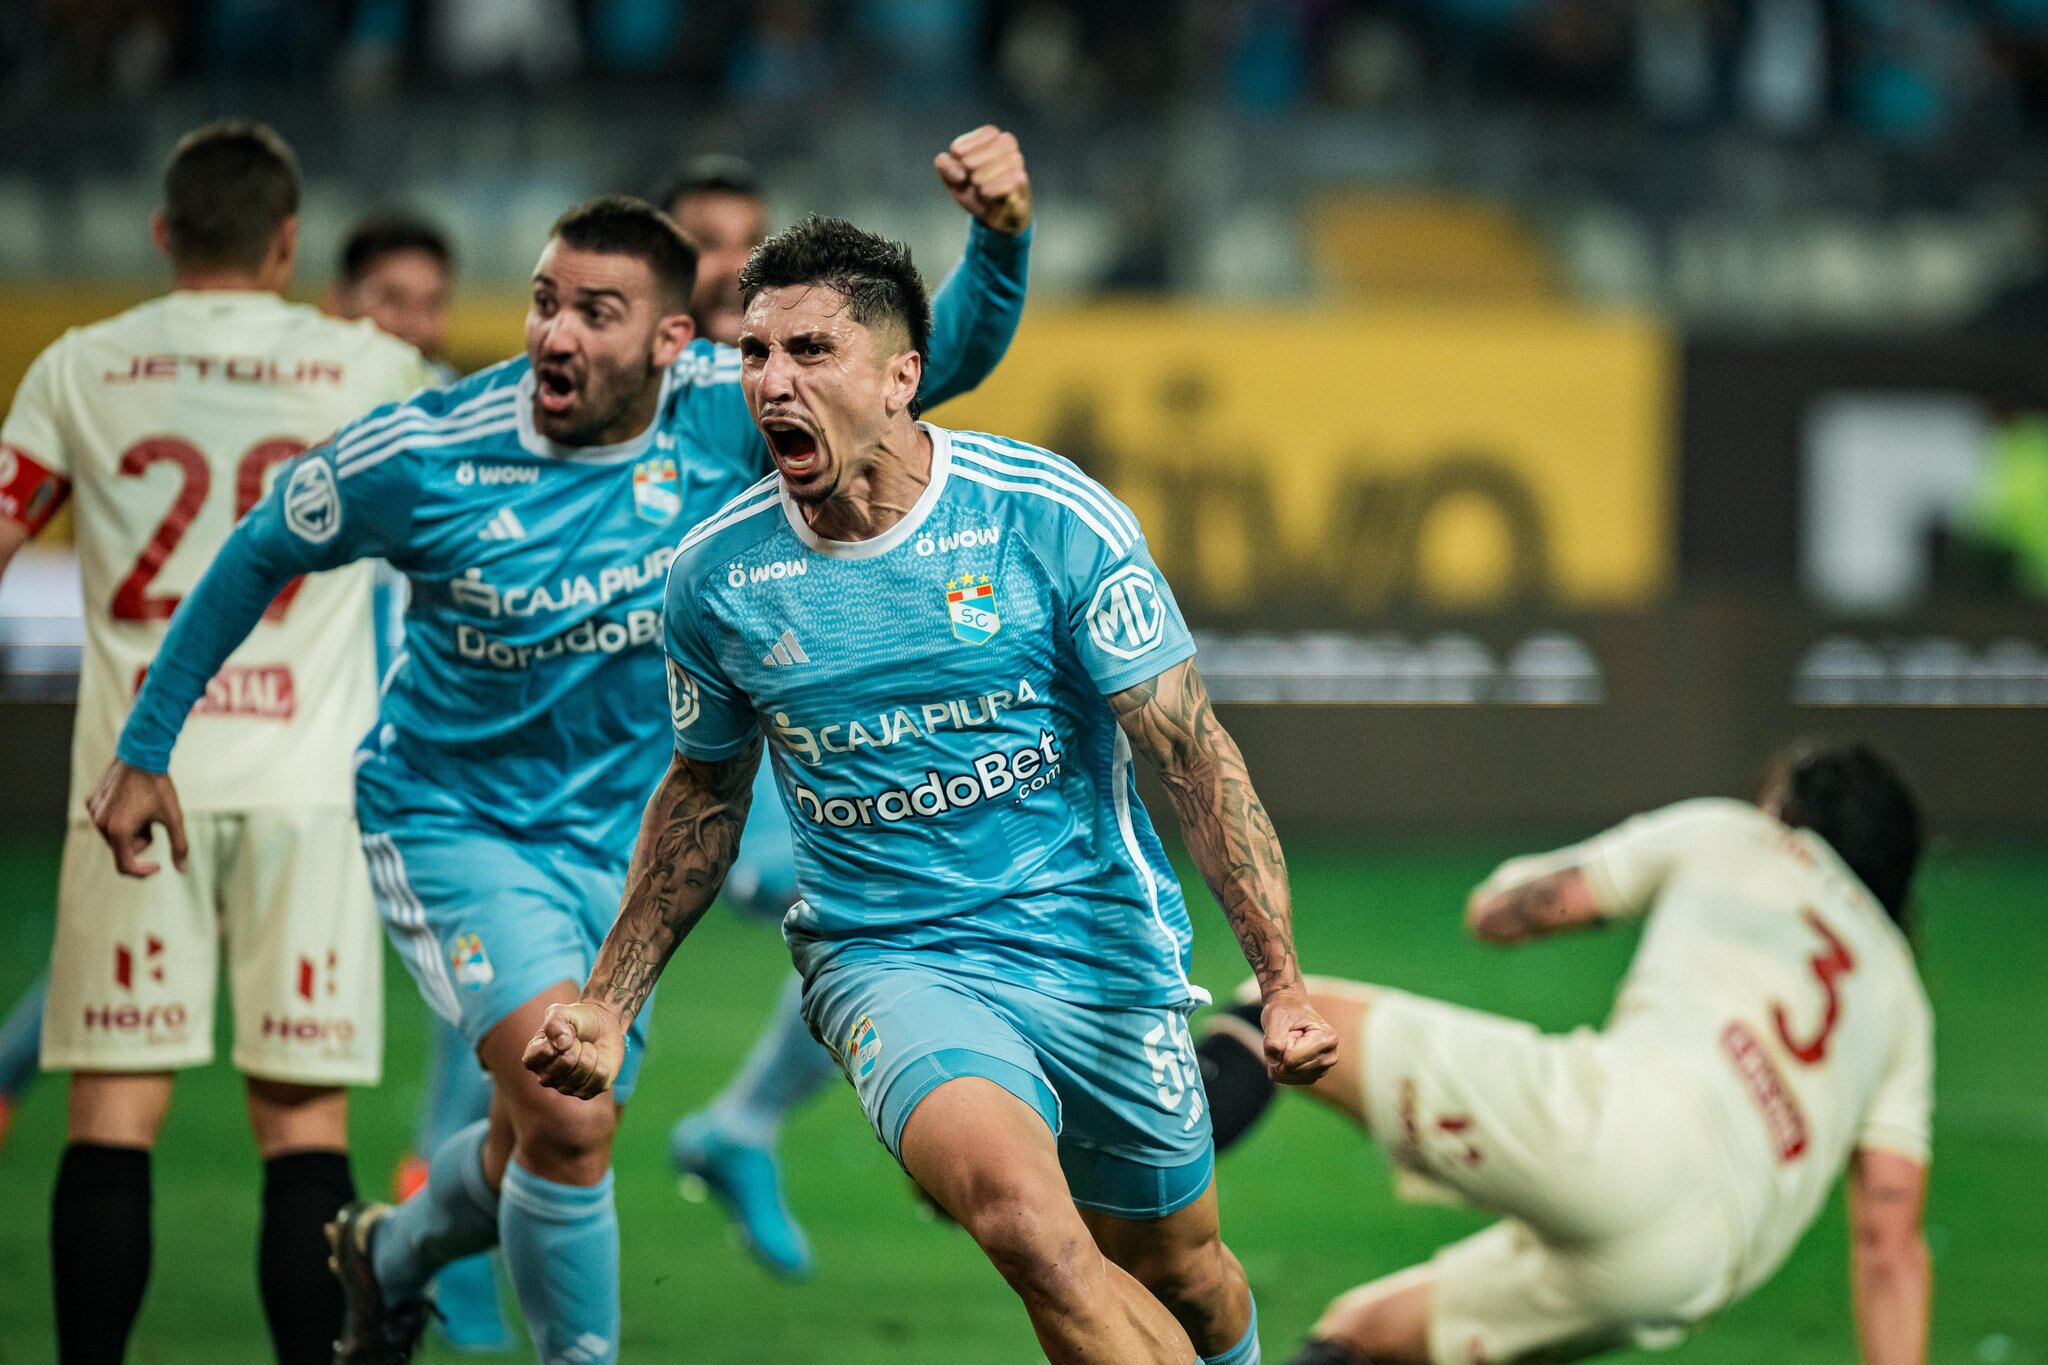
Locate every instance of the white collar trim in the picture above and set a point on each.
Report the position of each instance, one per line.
(630, 448)
(942, 463)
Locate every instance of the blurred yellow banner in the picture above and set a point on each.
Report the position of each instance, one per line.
(1316, 464)
(1309, 464)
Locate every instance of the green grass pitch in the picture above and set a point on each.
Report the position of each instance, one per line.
(1306, 1203)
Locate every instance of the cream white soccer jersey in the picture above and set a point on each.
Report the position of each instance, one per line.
(1770, 975)
(167, 423)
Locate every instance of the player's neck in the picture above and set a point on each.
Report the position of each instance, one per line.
(898, 473)
(199, 280)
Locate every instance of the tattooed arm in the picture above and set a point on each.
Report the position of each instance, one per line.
(688, 837)
(1169, 720)
(1509, 910)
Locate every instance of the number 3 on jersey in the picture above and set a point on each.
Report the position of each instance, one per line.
(132, 600)
(1830, 964)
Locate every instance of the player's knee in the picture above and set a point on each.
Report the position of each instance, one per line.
(1042, 1251)
(1185, 1279)
(569, 1141)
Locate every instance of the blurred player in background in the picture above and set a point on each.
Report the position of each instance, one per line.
(532, 507)
(1772, 1031)
(730, 1144)
(717, 202)
(165, 423)
(398, 270)
(957, 642)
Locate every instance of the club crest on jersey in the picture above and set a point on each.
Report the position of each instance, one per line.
(863, 1049)
(657, 489)
(971, 607)
(472, 965)
(683, 702)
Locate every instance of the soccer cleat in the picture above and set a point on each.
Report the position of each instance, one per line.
(371, 1332)
(747, 1182)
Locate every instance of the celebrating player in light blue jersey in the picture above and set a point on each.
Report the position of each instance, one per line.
(534, 509)
(954, 643)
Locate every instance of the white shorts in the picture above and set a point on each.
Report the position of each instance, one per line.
(134, 971)
(1619, 1230)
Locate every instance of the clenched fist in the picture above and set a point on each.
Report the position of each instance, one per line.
(984, 170)
(578, 1050)
(1300, 1044)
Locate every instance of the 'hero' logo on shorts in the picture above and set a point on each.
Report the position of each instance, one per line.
(312, 504)
(683, 706)
(1128, 616)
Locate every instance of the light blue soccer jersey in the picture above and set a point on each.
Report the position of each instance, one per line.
(934, 702)
(524, 700)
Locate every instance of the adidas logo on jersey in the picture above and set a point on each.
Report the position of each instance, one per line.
(503, 526)
(787, 651)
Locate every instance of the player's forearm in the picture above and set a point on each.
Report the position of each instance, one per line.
(1516, 909)
(1228, 832)
(689, 835)
(215, 617)
(1893, 1289)
(975, 312)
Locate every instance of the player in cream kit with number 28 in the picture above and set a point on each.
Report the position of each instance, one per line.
(166, 424)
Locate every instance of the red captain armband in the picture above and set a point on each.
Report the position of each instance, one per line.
(29, 493)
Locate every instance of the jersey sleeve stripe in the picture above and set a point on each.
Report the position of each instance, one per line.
(418, 424)
(973, 474)
(1002, 447)
(1073, 480)
(718, 523)
(374, 429)
(373, 458)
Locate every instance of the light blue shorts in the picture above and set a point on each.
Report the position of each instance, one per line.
(485, 924)
(1118, 1087)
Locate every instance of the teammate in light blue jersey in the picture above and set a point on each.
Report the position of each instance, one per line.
(953, 645)
(534, 509)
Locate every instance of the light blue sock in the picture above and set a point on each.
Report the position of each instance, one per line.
(458, 1095)
(785, 1067)
(561, 1244)
(1246, 1352)
(21, 1040)
(455, 1215)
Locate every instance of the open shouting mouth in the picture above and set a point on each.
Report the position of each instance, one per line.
(555, 388)
(794, 446)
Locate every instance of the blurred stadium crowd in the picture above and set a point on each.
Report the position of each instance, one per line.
(1903, 72)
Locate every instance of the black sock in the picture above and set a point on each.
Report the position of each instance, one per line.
(1322, 1351)
(99, 1250)
(1234, 1075)
(302, 1191)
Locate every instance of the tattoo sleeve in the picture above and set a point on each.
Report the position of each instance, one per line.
(688, 837)
(1233, 842)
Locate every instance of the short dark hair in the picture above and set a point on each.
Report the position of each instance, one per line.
(1853, 797)
(230, 185)
(387, 234)
(621, 225)
(874, 273)
(717, 173)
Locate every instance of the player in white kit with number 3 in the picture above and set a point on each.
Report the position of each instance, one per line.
(1772, 1031)
(166, 424)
